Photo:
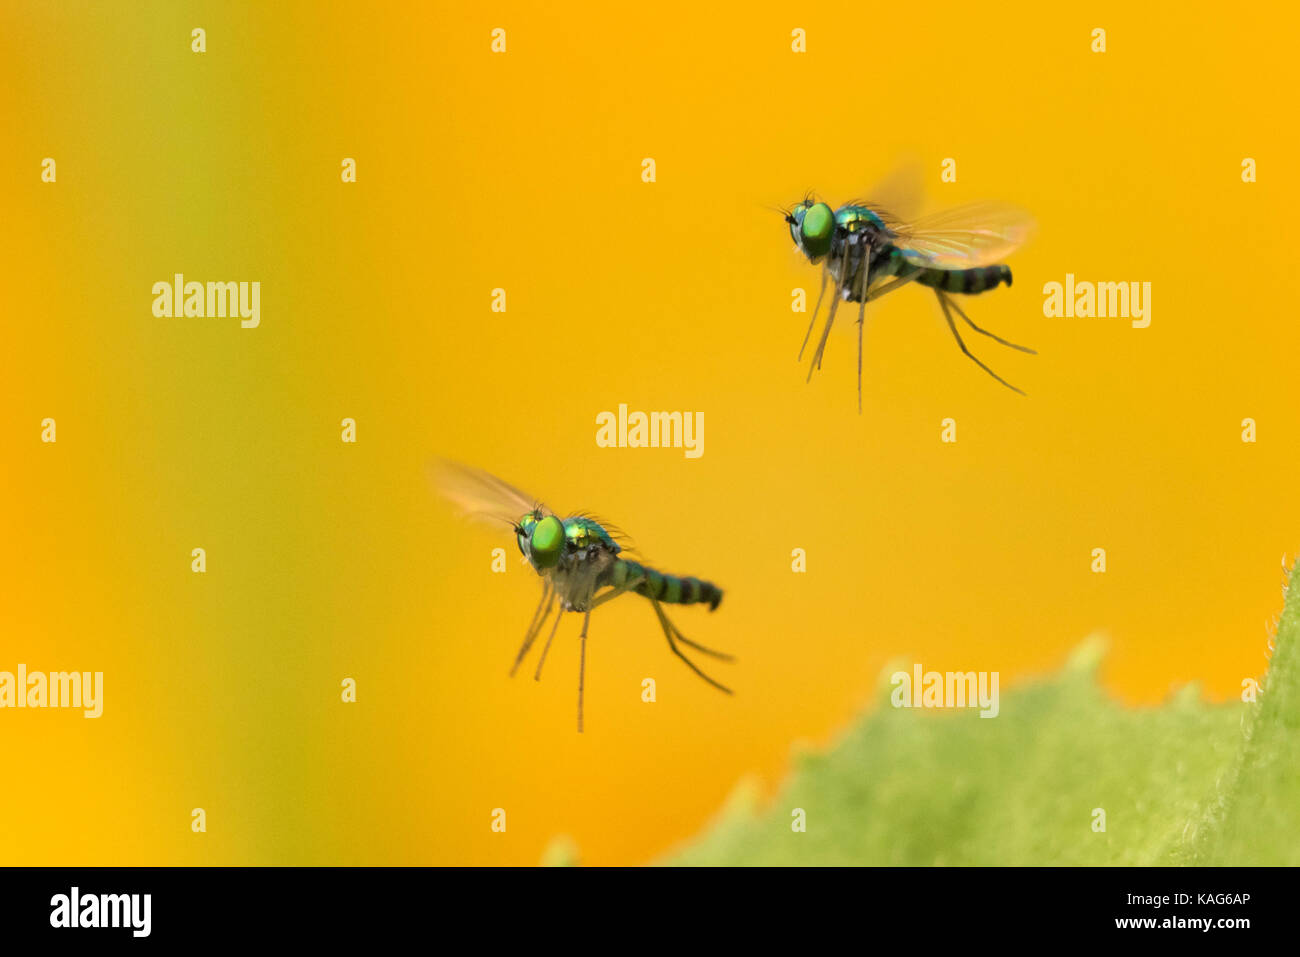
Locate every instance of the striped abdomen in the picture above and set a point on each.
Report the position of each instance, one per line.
(967, 281)
(669, 589)
(890, 261)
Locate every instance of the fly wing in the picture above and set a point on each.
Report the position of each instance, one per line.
(897, 198)
(978, 234)
(482, 495)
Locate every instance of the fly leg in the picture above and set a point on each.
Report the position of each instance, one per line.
(826, 332)
(862, 310)
(611, 595)
(891, 286)
(633, 583)
(582, 663)
(943, 302)
(703, 649)
(826, 271)
(866, 298)
(537, 675)
(535, 625)
(582, 649)
(953, 303)
(670, 631)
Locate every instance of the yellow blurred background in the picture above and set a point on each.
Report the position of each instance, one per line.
(522, 171)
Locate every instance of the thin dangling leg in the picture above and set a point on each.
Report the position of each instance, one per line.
(669, 631)
(816, 309)
(891, 286)
(704, 649)
(943, 302)
(582, 664)
(611, 595)
(869, 297)
(582, 652)
(535, 625)
(862, 310)
(826, 333)
(995, 338)
(537, 675)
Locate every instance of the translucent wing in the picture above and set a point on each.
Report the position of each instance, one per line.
(482, 495)
(896, 198)
(978, 234)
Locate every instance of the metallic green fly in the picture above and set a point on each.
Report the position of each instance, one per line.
(582, 561)
(867, 252)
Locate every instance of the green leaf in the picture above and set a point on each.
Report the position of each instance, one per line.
(1186, 782)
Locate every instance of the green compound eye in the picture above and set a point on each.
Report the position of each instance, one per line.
(817, 228)
(547, 542)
